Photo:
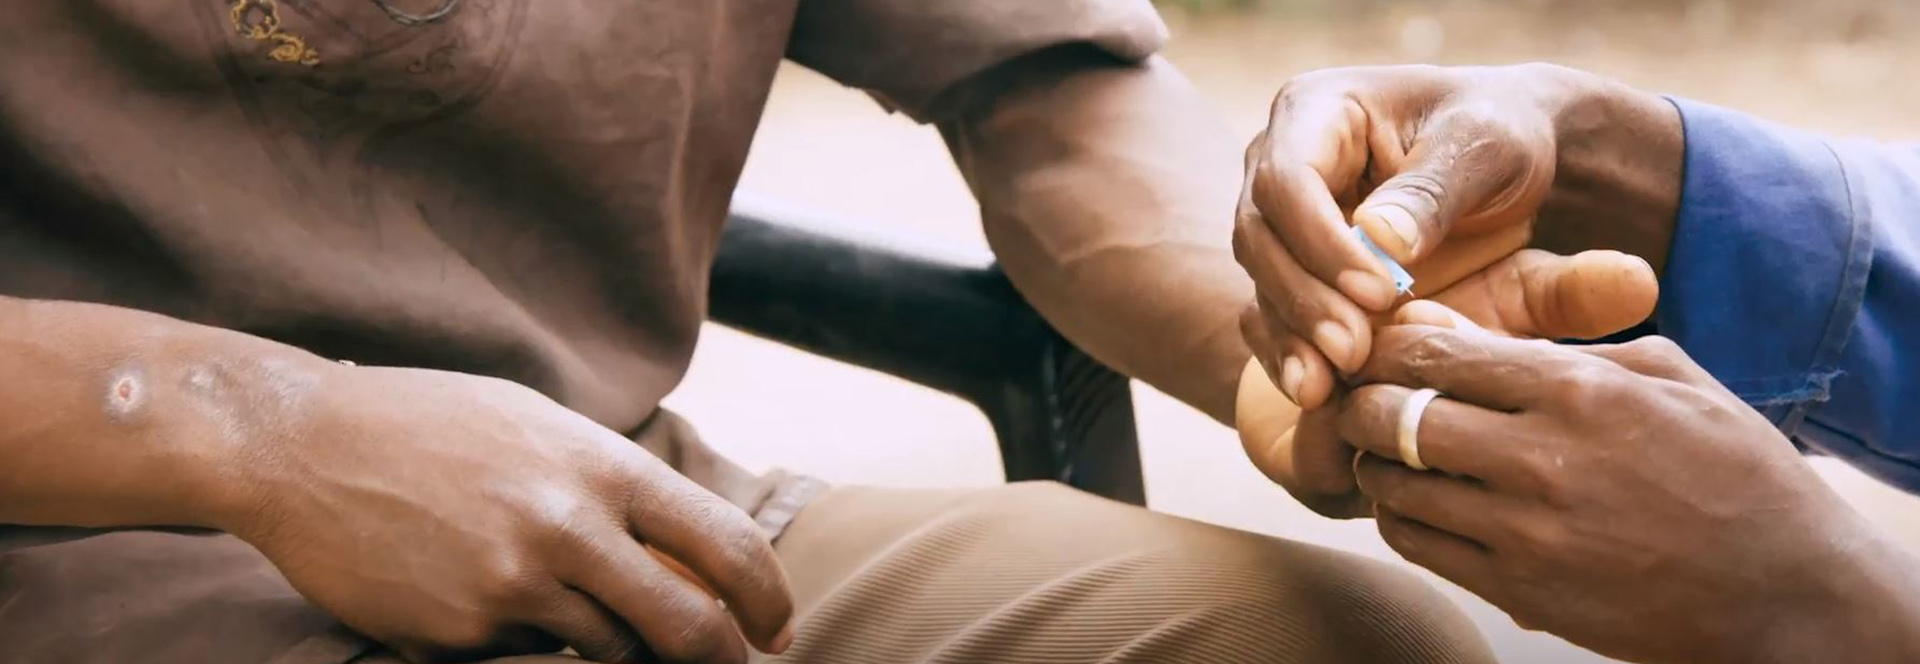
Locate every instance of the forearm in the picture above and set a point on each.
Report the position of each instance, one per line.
(1107, 192)
(114, 417)
(1865, 609)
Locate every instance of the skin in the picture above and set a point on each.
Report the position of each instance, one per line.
(1104, 192)
(1472, 165)
(533, 530)
(1449, 171)
(536, 527)
(1689, 531)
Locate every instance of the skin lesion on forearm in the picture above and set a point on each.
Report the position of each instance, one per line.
(112, 417)
(1107, 191)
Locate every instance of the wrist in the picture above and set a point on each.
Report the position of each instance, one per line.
(265, 401)
(1620, 154)
(1861, 604)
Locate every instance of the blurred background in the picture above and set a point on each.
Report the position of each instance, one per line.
(1837, 66)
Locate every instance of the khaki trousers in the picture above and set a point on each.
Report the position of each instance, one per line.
(1030, 572)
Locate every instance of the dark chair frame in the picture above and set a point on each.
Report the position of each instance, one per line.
(956, 327)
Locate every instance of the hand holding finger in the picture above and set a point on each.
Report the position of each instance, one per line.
(721, 546)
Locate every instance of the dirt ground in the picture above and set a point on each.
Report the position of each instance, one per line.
(1835, 67)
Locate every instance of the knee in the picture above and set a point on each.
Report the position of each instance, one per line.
(1263, 600)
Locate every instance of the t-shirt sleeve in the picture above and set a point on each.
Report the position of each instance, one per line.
(906, 53)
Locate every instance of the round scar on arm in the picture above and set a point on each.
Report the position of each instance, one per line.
(126, 393)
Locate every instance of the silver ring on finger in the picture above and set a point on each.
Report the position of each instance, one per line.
(1409, 430)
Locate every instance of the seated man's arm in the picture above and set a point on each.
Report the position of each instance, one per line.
(1107, 192)
(1107, 188)
(1794, 277)
(387, 496)
(114, 417)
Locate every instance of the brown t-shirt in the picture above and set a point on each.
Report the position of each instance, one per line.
(529, 189)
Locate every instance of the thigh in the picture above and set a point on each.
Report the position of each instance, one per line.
(72, 596)
(1041, 573)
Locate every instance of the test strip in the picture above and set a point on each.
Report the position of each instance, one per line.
(1402, 281)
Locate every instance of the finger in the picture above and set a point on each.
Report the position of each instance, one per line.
(1297, 301)
(1323, 461)
(720, 544)
(1294, 369)
(1304, 373)
(678, 621)
(1537, 294)
(1465, 162)
(1446, 503)
(1432, 314)
(1486, 370)
(591, 629)
(1267, 350)
(1452, 436)
(1456, 559)
(1276, 461)
(1316, 147)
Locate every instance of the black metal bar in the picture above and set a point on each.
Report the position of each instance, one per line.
(958, 328)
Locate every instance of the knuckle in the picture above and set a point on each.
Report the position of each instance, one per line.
(1293, 91)
(1657, 346)
(1419, 192)
(1655, 350)
(1242, 244)
(1268, 185)
(1255, 148)
(1253, 326)
(507, 585)
(1544, 540)
(566, 522)
(741, 547)
(1302, 306)
(1583, 386)
(1317, 83)
(1538, 473)
(1423, 351)
(1367, 406)
(701, 637)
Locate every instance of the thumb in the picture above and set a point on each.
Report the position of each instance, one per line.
(1539, 295)
(1464, 168)
(1588, 295)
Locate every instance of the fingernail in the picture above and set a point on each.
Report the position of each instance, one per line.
(1371, 291)
(1401, 224)
(783, 641)
(1292, 373)
(1334, 340)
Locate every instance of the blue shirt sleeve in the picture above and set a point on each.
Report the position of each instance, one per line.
(1794, 277)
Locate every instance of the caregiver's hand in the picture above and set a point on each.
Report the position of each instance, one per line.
(1621, 498)
(1530, 294)
(1446, 169)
